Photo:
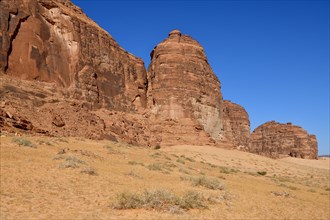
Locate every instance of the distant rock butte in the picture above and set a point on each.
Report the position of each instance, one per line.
(62, 75)
(276, 140)
(236, 124)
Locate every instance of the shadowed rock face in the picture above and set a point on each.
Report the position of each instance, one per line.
(182, 85)
(54, 41)
(277, 140)
(236, 124)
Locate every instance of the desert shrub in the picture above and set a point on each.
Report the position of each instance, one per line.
(126, 200)
(135, 163)
(288, 186)
(155, 166)
(327, 189)
(312, 190)
(89, 170)
(23, 142)
(157, 147)
(225, 170)
(209, 183)
(181, 170)
(71, 162)
(160, 199)
(44, 142)
(60, 139)
(211, 165)
(179, 160)
(192, 200)
(262, 173)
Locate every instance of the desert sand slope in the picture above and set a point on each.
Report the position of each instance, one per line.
(75, 178)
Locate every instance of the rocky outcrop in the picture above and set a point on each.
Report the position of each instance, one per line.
(62, 75)
(236, 124)
(275, 140)
(54, 41)
(183, 91)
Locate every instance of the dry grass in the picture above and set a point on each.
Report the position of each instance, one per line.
(99, 175)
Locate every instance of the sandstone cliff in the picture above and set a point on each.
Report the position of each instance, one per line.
(183, 89)
(236, 124)
(62, 75)
(54, 41)
(277, 140)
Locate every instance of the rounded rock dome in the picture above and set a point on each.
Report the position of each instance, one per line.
(175, 32)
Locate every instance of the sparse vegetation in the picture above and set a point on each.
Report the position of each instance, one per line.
(160, 199)
(155, 166)
(288, 186)
(61, 139)
(181, 170)
(135, 163)
(157, 147)
(206, 182)
(89, 170)
(312, 190)
(262, 173)
(327, 189)
(179, 160)
(71, 162)
(23, 142)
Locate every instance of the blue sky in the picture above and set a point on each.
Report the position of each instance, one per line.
(272, 57)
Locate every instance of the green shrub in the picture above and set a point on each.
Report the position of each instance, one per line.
(23, 142)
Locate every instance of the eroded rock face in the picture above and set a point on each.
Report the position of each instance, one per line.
(277, 140)
(183, 89)
(54, 41)
(236, 124)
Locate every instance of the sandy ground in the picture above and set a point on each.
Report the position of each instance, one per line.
(36, 183)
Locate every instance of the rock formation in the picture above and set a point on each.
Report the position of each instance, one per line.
(62, 75)
(236, 124)
(183, 89)
(276, 140)
(54, 41)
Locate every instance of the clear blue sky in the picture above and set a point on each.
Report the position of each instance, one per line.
(272, 57)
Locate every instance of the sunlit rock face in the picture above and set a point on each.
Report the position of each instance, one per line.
(54, 41)
(236, 124)
(275, 140)
(182, 85)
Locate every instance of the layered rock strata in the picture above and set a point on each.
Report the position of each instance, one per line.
(182, 89)
(236, 124)
(276, 140)
(62, 75)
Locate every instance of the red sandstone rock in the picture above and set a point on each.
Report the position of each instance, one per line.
(62, 75)
(236, 124)
(277, 140)
(183, 91)
(54, 41)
